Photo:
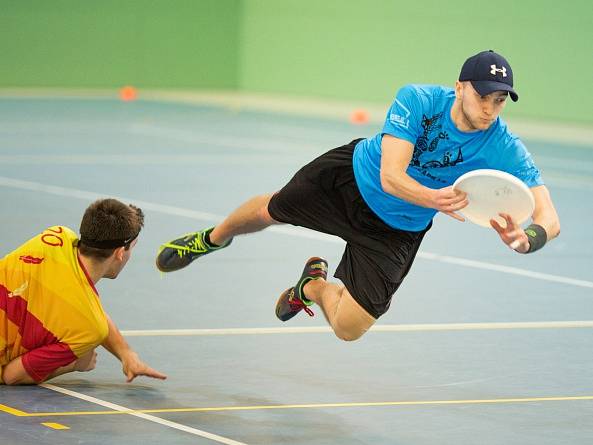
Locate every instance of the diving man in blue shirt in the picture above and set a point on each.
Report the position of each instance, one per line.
(380, 195)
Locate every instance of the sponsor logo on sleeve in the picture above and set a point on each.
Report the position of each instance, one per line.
(403, 118)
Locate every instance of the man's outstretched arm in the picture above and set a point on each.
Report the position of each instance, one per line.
(396, 155)
(132, 366)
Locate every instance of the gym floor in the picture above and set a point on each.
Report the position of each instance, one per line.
(481, 345)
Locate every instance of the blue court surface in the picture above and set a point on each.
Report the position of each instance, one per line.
(480, 346)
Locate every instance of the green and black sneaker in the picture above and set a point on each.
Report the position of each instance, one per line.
(180, 252)
(293, 300)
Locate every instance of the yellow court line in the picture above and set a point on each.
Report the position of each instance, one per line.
(316, 405)
(55, 426)
(13, 411)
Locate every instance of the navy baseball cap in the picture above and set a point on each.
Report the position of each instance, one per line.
(489, 72)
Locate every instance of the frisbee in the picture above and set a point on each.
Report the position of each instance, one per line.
(491, 192)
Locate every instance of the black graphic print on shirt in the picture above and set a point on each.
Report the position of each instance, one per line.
(428, 142)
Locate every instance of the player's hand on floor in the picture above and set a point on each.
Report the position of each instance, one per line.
(512, 234)
(133, 367)
(448, 201)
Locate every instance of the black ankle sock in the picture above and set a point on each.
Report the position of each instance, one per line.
(207, 239)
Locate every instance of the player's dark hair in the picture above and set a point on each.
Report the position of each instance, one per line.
(108, 224)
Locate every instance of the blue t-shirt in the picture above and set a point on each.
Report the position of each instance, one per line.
(421, 114)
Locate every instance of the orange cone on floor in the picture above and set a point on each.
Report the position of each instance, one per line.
(359, 116)
(128, 93)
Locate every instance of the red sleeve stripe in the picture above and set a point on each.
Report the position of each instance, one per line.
(41, 362)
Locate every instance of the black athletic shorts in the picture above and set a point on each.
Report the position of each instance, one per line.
(323, 196)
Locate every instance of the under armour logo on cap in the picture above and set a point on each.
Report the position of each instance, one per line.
(494, 70)
(488, 72)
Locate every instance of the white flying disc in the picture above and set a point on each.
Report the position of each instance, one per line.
(491, 192)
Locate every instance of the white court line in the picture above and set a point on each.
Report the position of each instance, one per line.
(287, 230)
(375, 328)
(144, 416)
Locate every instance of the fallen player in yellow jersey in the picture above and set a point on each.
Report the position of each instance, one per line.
(51, 317)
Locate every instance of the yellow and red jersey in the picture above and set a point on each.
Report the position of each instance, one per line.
(50, 312)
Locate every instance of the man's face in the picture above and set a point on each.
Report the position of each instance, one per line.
(479, 112)
(119, 260)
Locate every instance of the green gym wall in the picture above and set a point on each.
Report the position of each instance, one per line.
(348, 50)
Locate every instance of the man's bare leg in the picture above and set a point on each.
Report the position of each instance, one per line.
(346, 317)
(251, 216)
